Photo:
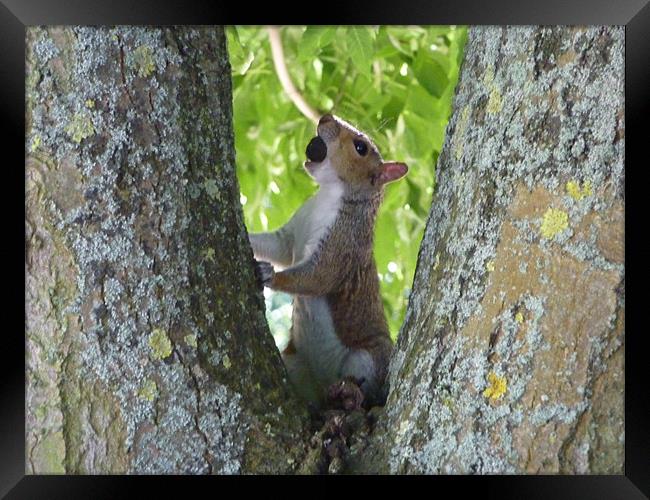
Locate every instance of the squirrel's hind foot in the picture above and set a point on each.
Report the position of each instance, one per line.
(346, 394)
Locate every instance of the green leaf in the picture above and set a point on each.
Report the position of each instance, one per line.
(422, 103)
(310, 44)
(360, 46)
(240, 58)
(415, 195)
(430, 73)
(328, 34)
(314, 40)
(419, 133)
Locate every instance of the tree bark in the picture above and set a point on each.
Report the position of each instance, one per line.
(511, 356)
(147, 349)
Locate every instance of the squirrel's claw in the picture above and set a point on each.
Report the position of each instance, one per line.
(264, 273)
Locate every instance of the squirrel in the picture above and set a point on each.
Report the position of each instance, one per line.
(324, 256)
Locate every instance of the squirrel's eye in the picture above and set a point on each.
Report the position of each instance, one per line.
(361, 147)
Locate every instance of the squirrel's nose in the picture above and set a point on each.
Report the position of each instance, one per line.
(326, 118)
(316, 149)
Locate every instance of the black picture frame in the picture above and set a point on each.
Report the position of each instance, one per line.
(15, 15)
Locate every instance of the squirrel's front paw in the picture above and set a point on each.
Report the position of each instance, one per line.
(264, 273)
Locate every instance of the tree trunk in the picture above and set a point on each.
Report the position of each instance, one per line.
(511, 357)
(146, 343)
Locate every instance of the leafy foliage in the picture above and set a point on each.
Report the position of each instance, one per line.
(394, 83)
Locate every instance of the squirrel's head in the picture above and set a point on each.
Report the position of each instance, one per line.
(341, 152)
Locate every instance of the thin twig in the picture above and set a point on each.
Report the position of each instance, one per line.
(285, 79)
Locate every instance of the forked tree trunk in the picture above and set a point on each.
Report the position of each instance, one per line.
(147, 349)
(511, 356)
(146, 343)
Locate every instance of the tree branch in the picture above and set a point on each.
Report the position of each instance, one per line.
(285, 79)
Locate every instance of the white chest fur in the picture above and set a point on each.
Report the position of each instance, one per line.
(313, 330)
(315, 217)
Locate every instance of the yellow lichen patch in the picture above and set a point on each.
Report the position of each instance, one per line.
(149, 390)
(459, 135)
(573, 188)
(489, 266)
(519, 318)
(90, 104)
(555, 221)
(190, 340)
(436, 263)
(496, 388)
(143, 60)
(576, 192)
(80, 127)
(160, 345)
(488, 78)
(495, 102)
(36, 142)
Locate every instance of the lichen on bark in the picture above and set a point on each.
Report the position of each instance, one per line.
(510, 359)
(143, 355)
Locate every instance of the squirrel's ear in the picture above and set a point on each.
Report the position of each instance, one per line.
(391, 171)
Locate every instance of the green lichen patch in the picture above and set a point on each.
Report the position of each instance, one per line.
(33, 77)
(148, 390)
(495, 102)
(212, 189)
(554, 222)
(80, 127)
(47, 455)
(143, 61)
(161, 346)
(190, 340)
(209, 254)
(36, 142)
(488, 78)
(226, 362)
